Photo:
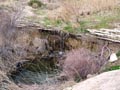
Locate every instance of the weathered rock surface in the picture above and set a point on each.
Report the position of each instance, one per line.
(105, 81)
(107, 34)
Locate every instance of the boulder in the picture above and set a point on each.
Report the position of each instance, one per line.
(105, 81)
(40, 44)
(113, 57)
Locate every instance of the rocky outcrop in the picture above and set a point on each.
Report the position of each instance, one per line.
(105, 81)
(107, 34)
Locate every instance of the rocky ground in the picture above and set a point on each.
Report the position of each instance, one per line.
(28, 42)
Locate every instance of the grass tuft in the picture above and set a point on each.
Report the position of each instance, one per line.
(35, 3)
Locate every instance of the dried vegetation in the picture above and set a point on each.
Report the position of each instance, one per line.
(71, 10)
(82, 62)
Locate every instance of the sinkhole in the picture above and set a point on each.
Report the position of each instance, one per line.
(36, 72)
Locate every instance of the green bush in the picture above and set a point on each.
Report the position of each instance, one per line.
(113, 68)
(35, 3)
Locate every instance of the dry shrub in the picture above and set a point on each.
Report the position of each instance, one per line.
(81, 62)
(8, 32)
(71, 10)
(8, 22)
(6, 26)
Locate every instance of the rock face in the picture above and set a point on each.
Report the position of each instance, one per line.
(106, 81)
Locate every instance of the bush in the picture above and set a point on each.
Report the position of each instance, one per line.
(8, 33)
(80, 63)
(35, 3)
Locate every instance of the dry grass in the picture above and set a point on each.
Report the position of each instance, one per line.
(6, 2)
(46, 86)
(71, 10)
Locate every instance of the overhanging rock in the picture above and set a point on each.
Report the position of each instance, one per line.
(106, 34)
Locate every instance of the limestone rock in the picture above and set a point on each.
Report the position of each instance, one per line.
(105, 81)
(106, 34)
(113, 57)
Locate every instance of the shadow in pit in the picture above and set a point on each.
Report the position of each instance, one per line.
(38, 71)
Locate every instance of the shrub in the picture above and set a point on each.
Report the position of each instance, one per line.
(8, 33)
(35, 3)
(80, 63)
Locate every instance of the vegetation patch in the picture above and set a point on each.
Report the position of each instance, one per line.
(113, 68)
(69, 28)
(35, 3)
